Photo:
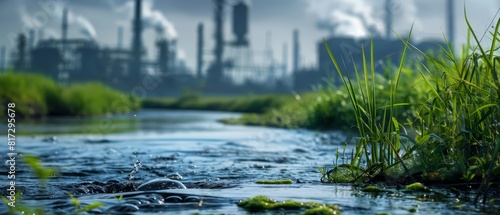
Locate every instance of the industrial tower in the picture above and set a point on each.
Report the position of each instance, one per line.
(136, 53)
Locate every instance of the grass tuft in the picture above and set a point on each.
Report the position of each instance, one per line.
(279, 181)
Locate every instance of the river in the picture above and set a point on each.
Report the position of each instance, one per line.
(219, 165)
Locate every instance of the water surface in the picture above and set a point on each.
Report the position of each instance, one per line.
(219, 165)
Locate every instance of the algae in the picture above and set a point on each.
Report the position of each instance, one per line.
(417, 186)
(371, 188)
(279, 181)
(263, 203)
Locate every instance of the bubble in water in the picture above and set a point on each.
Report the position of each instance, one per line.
(161, 184)
(175, 176)
(124, 208)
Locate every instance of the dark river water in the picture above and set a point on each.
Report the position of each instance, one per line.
(219, 165)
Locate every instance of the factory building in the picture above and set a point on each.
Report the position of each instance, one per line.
(231, 66)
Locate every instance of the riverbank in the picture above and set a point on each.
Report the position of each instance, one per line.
(242, 104)
(313, 110)
(36, 96)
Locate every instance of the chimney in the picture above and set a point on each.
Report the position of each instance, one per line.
(285, 61)
(388, 18)
(64, 29)
(40, 34)
(2, 58)
(135, 69)
(296, 50)
(199, 60)
(451, 22)
(31, 40)
(120, 37)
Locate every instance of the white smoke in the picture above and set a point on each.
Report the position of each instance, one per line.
(74, 20)
(181, 54)
(85, 25)
(151, 18)
(28, 20)
(404, 15)
(360, 18)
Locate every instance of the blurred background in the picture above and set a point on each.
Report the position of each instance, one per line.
(220, 47)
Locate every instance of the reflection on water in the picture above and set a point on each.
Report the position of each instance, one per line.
(218, 163)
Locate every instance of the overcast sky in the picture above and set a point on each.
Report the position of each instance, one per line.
(276, 18)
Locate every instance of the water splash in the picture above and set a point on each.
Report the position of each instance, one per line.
(135, 170)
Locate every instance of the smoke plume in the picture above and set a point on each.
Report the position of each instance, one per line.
(84, 26)
(359, 18)
(151, 18)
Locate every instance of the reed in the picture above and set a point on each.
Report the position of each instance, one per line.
(444, 124)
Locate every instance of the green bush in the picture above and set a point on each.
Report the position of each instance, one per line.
(37, 96)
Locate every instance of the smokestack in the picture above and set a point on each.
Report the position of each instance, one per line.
(199, 62)
(40, 34)
(388, 18)
(285, 60)
(20, 63)
(217, 70)
(31, 40)
(120, 37)
(296, 50)
(136, 41)
(173, 54)
(64, 29)
(2, 59)
(451, 22)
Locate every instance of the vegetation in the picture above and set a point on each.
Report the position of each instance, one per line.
(41, 172)
(263, 203)
(417, 186)
(442, 126)
(372, 189)
(282, 181)
(325, 109)
(37, 96)
(432, 118)
(192, 101)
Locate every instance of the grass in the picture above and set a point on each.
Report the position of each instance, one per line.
(193, 101)
(313, 110)
(438, 120)
(278, 181)
(37, 96)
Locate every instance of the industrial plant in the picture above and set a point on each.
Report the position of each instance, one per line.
(230, 67)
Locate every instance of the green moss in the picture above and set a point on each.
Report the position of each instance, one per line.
(262, 203)
(321, 211)
(282, 181)
(371, 188)
(413, 210)
(417, 186)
